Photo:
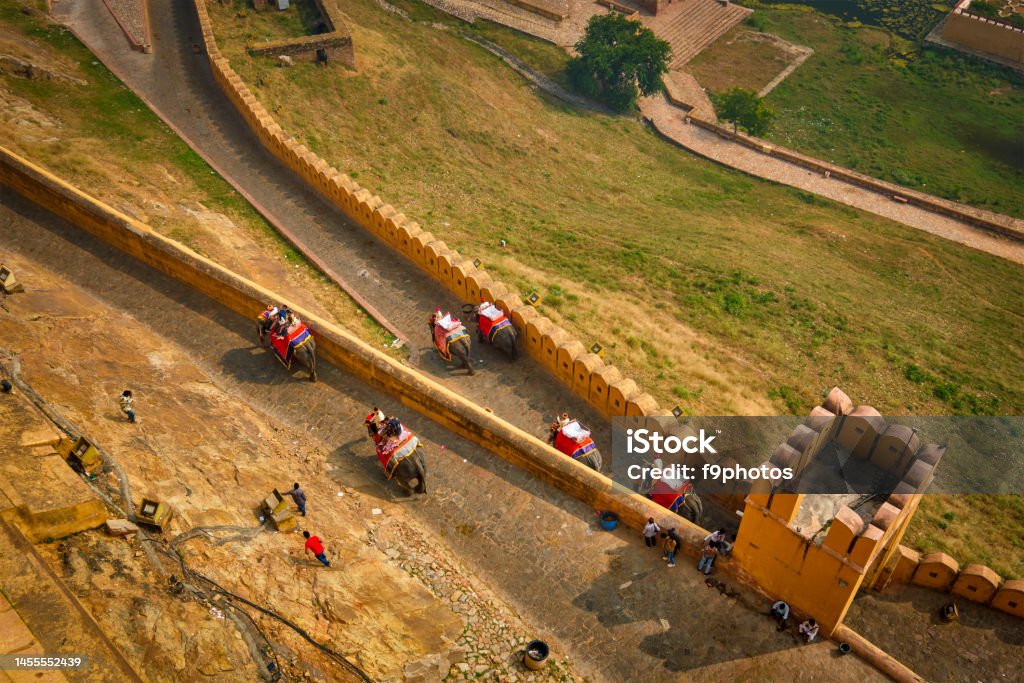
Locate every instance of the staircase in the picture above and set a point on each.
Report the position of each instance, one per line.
(689, 26)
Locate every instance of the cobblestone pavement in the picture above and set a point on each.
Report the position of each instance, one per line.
(983, 645)
(177, 83)
(602, 599)
(668, 119)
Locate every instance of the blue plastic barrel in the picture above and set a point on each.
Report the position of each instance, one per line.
(609, 520)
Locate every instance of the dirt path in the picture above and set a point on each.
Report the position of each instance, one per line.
(668, 119)
(599, 597)
(176, 81)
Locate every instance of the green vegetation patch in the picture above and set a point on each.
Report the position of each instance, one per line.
(929, 118)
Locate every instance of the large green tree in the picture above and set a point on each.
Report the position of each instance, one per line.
(617, 60)
(744, 109)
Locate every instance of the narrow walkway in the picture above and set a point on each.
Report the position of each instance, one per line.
(668, 120)
(177, 84)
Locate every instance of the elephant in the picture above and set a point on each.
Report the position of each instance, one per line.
(584, 452)
(411, 474)
(411, 471)
(460, 350)
(305, 355)
(506, 339)
(676, 499)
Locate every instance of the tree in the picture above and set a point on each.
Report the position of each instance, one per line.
(744, 109)
(618, 59)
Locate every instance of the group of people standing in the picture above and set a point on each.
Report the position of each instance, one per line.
(715, 544)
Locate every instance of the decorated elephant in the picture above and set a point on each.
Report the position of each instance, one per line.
(675, 496)
(493, 326)
(398, 451)
(572, 439)
(451, 340)
(288, 338)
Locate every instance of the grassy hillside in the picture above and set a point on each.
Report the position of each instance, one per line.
(720, 292)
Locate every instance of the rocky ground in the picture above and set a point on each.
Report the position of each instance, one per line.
(395, 601)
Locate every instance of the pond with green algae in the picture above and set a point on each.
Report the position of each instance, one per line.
(911, 19)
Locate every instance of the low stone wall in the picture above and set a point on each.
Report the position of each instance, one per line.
(555, 11)
(335, 43)
(630, 12)
(583, 372)
(1003, 225)
(973, 582)
(339, 347)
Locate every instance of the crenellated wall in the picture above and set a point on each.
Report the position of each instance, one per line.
(973, 582)
(821, 577)
(568, 359)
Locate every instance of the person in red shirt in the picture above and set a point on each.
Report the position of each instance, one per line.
(313, 545)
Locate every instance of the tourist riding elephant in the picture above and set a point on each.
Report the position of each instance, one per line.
(297, 345)
(398, 451)
(570, 438)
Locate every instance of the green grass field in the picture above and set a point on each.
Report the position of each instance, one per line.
(929, 118)
(975, 528)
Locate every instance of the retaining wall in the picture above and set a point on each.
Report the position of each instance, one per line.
(339, 347)
(453, 270)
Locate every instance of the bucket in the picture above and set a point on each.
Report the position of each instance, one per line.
(844, 648)
(609, 520)
(536, 655)
(468, 309)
